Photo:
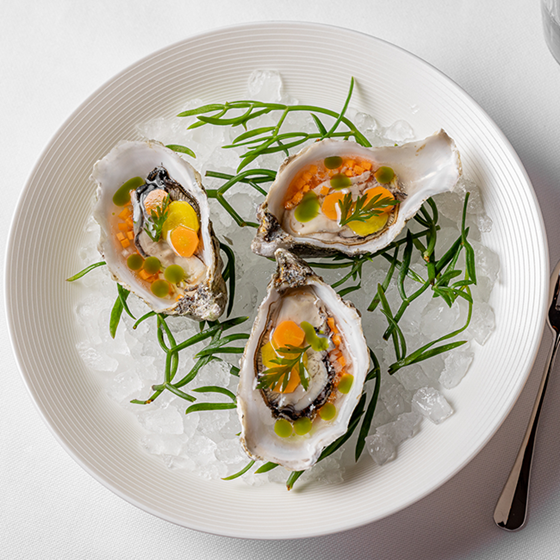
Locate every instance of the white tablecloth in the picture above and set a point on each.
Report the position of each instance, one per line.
(54, 54)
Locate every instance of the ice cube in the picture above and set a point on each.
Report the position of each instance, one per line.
(482, 322)
(230, 452)
(190, 424)
(399, 131)
(450, 204)
(162, 421)
(413, 377)
(381, 448)
(124, 385)
(214, 373)
(174, 463)
(487, 262)
(94, 359)
(457, 363)
(200, 449)
(394, 396)
(403, 428)
(162, 444)
(265, 85)
(432, 404)
(438, 318)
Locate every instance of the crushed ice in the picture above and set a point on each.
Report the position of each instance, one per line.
(207, 442)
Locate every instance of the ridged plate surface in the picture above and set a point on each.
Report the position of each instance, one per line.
(316, 63)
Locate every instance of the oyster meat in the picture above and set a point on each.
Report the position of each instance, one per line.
(338, 196)
(303, 368)
(156, 234)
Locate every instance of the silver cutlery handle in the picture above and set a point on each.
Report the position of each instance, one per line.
(511, 510)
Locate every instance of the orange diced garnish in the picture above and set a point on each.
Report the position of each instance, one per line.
(123, 227)
(294, 201)
(125, 243)
(306, 176)
(349, 173)
(365, 164)
(332, 325)
(349, 163)
(336, 339)
(130, 223)
(330, 205)
(130, 235)
(313, 170)
(144, 275)
(288, 333)
(358, 170)
(305, 188)
(120, 236)
(184, 241)
(125, 213)
(341, 360)
(325, 190)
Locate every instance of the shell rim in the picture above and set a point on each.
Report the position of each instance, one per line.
(19, 352)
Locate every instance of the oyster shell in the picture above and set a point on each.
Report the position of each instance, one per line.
(201, 293)
(336, 361)
(421, 169)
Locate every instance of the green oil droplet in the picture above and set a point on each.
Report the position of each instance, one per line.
(308, 208)
(174, 273)
(303, 426)
(152, 265)
(333, 162)
(318, 343)
(384, 175)
(135, 261)
(340, 181)
(345, 383)
(327, 412)
(122, 196)
(283, 428)
(160, 288)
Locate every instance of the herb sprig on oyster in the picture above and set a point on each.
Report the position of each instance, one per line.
(304, 376)
(156, 234)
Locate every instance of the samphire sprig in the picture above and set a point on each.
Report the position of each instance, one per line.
(219, 344)
(212, 330)
(442, 280)
(252, 177)
(270, 139)
(442, 274)
(265, 140)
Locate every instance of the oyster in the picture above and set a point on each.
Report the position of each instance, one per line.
(303, 368)
(156, 233)
(303, 211)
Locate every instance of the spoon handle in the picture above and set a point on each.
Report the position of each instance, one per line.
(511, 510)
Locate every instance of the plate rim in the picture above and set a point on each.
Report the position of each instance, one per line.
(18, 353)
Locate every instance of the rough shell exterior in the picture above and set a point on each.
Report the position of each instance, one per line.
(203, 302)
(425, 168)
(257, 436)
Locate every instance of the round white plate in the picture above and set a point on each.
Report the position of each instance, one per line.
(316, 63)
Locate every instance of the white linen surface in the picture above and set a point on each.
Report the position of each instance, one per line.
(54, 54)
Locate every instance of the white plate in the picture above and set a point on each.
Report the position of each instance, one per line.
(316, 63)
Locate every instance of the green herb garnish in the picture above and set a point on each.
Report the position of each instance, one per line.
(291, 357)
(156, 220)
(362, 210)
